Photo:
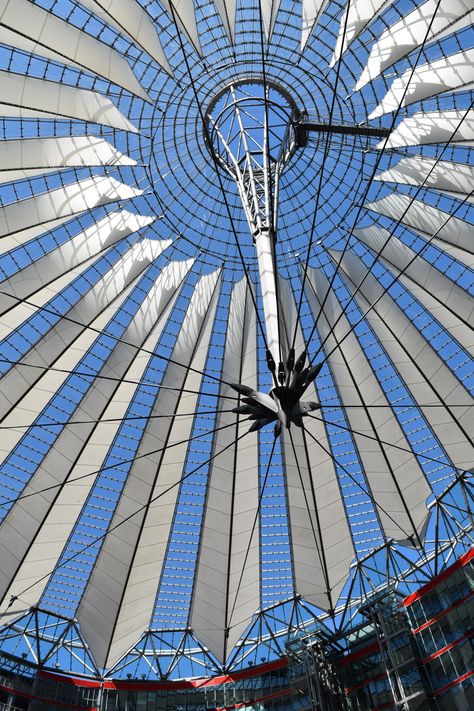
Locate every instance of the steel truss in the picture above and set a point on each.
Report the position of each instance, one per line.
(52, 641)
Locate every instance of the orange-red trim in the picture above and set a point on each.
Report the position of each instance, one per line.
(441, 651)
(366, 682)
(63, 704)
(359, 654)
(439, 578)
(169, 685)
(244, 704)
(434, 619)
(459, 680)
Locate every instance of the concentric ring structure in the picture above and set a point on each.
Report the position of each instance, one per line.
(146, 526)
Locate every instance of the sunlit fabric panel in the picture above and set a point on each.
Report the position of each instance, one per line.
(227, 586)
(450, 177)
(320, 537)
(433, 127)
(454, 72)
(361, 12)
(42, 348)
(21, 159)
(32, 29)
(424, 218)
(70, 255)
(182, 11)
(393, 474)
(28, 235)
(62, 202)
(269, 9)
(430, 381)
(227, 9)
(28, 97)
(312, 9)
(446, 301)
(129, 18)
(126, 261)
(118, 601)
(36, 529)
(432, 19)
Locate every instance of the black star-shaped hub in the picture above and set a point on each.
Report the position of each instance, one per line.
(282, 404)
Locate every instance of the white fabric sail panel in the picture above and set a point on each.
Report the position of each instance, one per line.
(118, 601)
(183, 11)
(36, 399)
(361, 13)
(227, 582)
(34, 533)
(27, 97)
(425, 219)
(58, 338)
(454, 72)
(420, 367)
(460, 255)
(312, 10)
(33, 29)
(28, 408)
(18, 239)
(63, 202)
(395, 478)
(69, 255)
(440, 175)
(227, 9)
(435, 127)
(410, 32)
(15, 316)
(320, 538)
(26, 158)
(439, 295)
(269, 13)
(12, 546)
(129, 18)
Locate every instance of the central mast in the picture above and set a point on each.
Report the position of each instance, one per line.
(251, 126)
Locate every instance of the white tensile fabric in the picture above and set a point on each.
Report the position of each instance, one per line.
(182, 11)
(431, 173)
(28, 97)
(457, 253)
(361, 12)
(227, 585)
(109, 346)
(269, 12)
(421, 368)
(312, 9)
(454, 72)
(70, 255)
(20, 159)
(123, 270)
(118, 601)
(23, 237)
(410, 32)
(426, 219)
(394, 475)
(31, 549)
(86, 243)
(446, 301)
(130, 19)
(30, 28)
(62, 202)
(321, 543)
(227, 10)
(434, 127)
